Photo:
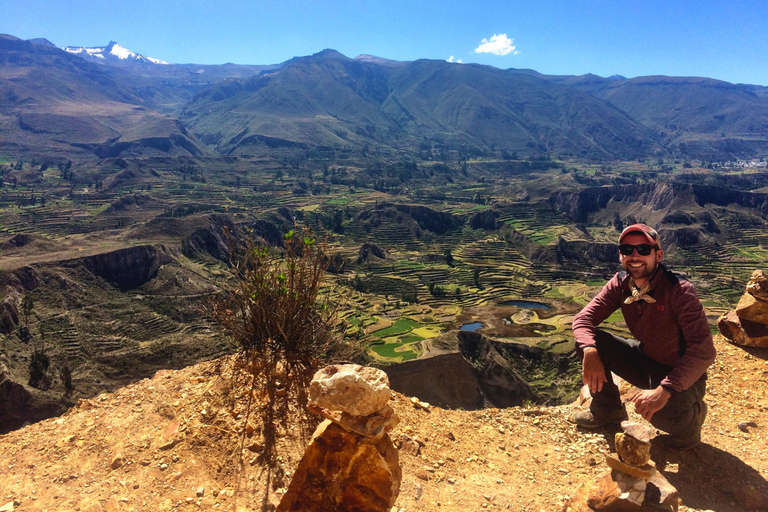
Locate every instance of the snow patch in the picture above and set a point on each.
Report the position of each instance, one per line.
(112, 51)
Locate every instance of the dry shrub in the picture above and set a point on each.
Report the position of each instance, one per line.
(280, 313)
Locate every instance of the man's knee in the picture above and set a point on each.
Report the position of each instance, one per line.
(684, 411)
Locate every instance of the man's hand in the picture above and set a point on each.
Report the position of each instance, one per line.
(593, 371)
(649, 401)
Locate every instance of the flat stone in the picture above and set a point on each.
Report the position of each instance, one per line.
(344, 471)
(632, 451)
(639, 431)
(646, 471)
(350, 388)
(172, 429)
(8, 507)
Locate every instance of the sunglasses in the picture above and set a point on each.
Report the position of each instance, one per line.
(642, 249)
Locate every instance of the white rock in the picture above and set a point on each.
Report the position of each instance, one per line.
(354, 389)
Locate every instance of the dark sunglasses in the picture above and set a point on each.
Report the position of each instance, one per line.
(642, 249)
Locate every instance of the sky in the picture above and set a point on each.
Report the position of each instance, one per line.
(727, 40)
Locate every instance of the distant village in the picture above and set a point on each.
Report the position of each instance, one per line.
(741, 164)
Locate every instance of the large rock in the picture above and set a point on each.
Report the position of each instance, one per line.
(342, 471)
(743, 332)
(617, 492)
(350, 388)
(753, 309)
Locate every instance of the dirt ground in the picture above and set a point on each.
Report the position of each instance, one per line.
(179, 441)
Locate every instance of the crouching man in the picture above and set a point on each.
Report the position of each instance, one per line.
(669, 355)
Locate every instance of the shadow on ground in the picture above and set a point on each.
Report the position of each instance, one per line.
(706, 477)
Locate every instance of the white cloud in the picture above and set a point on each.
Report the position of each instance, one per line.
(450, 59)
(499, 44)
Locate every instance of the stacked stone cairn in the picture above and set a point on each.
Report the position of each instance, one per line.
(350, 463)
(632, 484)
(748, 324)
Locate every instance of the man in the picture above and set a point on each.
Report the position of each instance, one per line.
(670, 354)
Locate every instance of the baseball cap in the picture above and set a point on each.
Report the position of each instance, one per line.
(650, 234)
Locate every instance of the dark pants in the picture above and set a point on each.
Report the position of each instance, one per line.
(684, 412)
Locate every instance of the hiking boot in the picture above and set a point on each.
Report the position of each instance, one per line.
(589, 420)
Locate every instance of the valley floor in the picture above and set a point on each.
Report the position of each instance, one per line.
(173, 443)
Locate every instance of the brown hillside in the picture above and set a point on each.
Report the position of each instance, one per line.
(120, 451)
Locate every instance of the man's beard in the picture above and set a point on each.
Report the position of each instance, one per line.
(640, 272)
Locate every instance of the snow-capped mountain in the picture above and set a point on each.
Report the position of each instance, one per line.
(113, 52)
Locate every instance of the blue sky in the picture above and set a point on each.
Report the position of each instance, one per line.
(718, 39)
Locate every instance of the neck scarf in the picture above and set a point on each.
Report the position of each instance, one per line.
(639, 293)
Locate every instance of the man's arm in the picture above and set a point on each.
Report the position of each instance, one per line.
(700, 350)
(592, 370)
(584, 326)
(599, 308)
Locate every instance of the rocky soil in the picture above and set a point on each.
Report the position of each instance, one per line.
(183, 441)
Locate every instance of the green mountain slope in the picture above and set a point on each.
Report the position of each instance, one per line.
(330, 99)
(684, 103)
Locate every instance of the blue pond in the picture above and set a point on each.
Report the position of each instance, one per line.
(471, 327)
(524, 304)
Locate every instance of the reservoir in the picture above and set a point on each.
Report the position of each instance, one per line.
(471, 327)
(524, 304)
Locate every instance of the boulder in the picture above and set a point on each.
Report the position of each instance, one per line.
(753, 309)
(631, 450)
(743, 332)
(350, 388)
(344, 471)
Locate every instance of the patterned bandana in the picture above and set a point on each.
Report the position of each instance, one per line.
(639, 293)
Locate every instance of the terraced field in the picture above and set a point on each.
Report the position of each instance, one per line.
(437, 272)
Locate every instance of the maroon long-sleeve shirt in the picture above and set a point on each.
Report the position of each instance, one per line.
(673, 330)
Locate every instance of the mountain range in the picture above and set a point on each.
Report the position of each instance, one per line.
(110, 101)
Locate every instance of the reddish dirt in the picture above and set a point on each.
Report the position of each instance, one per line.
(111, 452)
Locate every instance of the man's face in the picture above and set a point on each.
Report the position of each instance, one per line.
(639, 267)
